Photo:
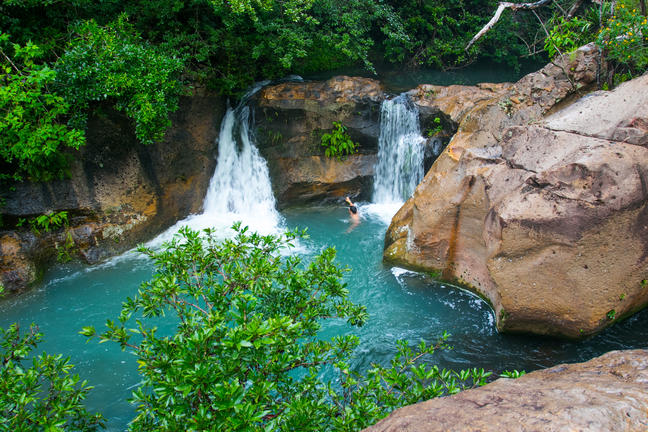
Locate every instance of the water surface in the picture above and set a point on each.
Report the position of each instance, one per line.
(401, 304)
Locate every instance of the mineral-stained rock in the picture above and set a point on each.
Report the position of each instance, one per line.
(119, 192)
(608, 393)
(544, 217)
(290, 120)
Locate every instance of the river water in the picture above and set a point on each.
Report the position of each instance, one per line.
(401, 304)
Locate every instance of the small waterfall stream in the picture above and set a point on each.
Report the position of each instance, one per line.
(401, 150)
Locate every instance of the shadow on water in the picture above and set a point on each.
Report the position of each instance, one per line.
(397, 80)
(401, 304)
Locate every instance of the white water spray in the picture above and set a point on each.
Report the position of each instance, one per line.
(401, 150)
(240, 189)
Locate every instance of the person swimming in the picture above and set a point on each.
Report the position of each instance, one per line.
(353, 212)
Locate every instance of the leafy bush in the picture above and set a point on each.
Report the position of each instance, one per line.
(338, 143)
(43, 395)
(246, 355)
(567, 35)
(48, 221)
(625, 40)
(113, 62)
(33, 128)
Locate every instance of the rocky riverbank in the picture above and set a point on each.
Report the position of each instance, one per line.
(608, 393)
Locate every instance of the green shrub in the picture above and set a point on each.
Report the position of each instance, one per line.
(624, 39)
(41, 394)
(48, 222)
(33, 128)
(246, 355)
(567, 35)
(338, 143)
(114, 63)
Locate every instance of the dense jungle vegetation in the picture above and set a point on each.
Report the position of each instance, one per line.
(61, 58)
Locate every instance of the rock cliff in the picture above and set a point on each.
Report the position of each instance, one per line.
(609, 393)
(119, 192)
(290, 119)
(538, 203)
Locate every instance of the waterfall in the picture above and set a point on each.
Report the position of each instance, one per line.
(240, 186)
(401, 150)
(240, 189)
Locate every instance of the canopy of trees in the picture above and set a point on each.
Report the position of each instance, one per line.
(59, 58)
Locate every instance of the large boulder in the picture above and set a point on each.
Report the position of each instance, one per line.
(290, 119)
(543, 215)
(609, 393)
(119, 192)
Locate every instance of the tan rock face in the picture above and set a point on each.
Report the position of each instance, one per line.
(546, 220)
(290, 120)
(119, 193)
(609, 393)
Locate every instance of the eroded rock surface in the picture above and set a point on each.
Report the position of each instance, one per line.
(290, 120)
(609, 393)
(543, 215)
(119, 193)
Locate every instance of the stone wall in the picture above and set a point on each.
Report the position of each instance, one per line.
(119, 192)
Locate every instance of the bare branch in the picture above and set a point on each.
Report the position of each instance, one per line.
(574, 9)
(498, 13)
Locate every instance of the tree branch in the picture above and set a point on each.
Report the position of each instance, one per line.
(498, 13)
(574, 9)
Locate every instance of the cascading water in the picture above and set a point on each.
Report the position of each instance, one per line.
(240, 189)
(240, 186)
(400, 152)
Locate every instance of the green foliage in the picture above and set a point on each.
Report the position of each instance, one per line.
(567, 35)
(512, 374)
(436, 129)
(113, 62)
(64, 251)
(43, 395)
(624, 39)
(48, 222)
(338, 143)
(439, 31)
(32, 118)
(246, 354)
(611, 314)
